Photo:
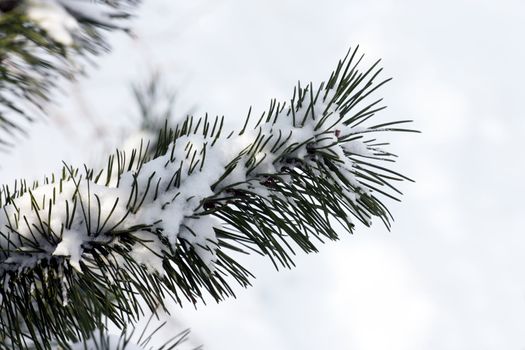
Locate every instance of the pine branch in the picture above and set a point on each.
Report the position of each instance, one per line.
(166, 222)
(43, 42)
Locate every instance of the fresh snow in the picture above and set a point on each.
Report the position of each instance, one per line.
(173, 211)
(71, 245)
(51, 16)
(60, 18)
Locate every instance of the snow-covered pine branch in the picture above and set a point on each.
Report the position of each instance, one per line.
(163, 222)
(44, 40)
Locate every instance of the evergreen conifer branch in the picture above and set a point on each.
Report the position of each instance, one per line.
(35, 55)
(165, 221)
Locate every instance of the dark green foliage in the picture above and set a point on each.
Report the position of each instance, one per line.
(269, 213)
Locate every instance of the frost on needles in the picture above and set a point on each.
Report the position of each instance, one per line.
(164, 220)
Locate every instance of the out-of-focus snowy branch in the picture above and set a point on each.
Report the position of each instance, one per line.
(163, 220)
(43, 40)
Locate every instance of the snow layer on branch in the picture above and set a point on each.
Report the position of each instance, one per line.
(84, 213)
(61, 18)
(162, 200)
(71, 245)
(318, 126)
(51, 16)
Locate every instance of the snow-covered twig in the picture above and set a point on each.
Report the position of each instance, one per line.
(163, 222)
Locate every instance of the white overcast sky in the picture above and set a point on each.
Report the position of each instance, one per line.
(450, 274)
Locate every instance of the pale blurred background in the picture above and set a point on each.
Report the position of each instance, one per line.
(450, 274)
